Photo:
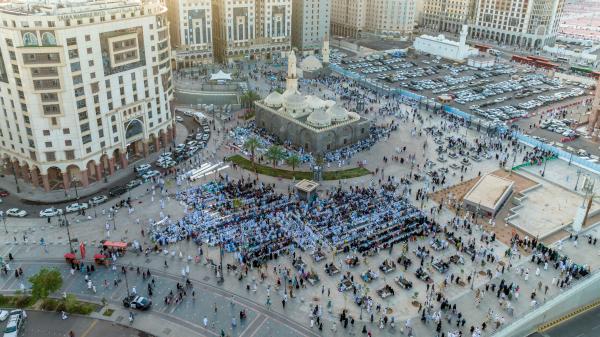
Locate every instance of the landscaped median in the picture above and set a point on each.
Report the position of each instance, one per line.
(287, 174)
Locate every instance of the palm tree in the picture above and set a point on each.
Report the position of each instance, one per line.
(275, 153)
(293, 160)
(249, 98)
(251, 145)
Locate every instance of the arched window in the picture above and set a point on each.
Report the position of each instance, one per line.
(48, 39)
(29, 39)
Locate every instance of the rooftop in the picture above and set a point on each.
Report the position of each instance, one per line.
(65, 7)
(488, 191)
(306, 185)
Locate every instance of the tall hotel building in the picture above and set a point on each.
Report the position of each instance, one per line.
(85, 88)
(191, 31)
(251, 28)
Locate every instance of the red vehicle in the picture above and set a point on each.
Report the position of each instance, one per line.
(3, 193)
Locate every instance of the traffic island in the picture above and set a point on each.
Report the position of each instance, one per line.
(287, 174)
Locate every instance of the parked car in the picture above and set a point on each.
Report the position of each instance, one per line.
(3, 315)
(49, 212)
(16, 212)
(150, 174)
(98, 199)
(179, 119)
(117, 190)
(76, 207)
(142, 168)
(4, 193)
(137, 302)
(16, 320)
(134, 183)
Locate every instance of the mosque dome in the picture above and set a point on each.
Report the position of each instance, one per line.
(338, 113)
(311, 63)
(294, 100)
(313, 102)
(319, 118)
(274, 100)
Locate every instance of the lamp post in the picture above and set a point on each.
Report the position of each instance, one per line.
(74, 180)
(113, 213)
(126, 282)
(15, 175)
(66, 221)
(104, 166)
(3, 215)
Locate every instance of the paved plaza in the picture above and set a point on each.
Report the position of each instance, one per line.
(469, 290)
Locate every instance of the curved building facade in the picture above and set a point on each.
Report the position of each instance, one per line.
(85, 88)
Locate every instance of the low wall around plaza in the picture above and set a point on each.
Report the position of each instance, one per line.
(585, 292)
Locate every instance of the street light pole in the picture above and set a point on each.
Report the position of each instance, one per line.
(15, 175)
(3, 214)
(113, 213)
(75, 181)
(68, 231)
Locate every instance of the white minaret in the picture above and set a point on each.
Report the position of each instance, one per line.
(463, 35)
(325, 50)
(292, 77)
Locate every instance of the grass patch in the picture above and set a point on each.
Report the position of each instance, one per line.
(17, 301)
(287, 174)
(108, 312)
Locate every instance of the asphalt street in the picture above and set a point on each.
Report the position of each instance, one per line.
(52, 325)
(584, 325)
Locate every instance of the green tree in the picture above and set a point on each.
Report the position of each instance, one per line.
(275, 153)
(251, 145)
(249, 98)
(45, 282)
(294, 161)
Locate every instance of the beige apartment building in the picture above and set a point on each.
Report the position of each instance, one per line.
(526, 23)
(447, 15)
(190, 23)
(351, 17)
(85, 89)
(251, 29)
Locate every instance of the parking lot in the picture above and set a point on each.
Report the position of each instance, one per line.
(498, 94)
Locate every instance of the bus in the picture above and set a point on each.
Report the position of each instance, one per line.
(581, 70)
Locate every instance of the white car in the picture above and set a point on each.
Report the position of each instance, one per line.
(143, 167)
(3, 315)
(49, 212)
(16, 212)
(150, 174)
(179, 119)
(98, 199)
(76, 207)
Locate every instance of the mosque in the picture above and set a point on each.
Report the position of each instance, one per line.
(316, 125)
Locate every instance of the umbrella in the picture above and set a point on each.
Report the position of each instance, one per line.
(69, 256)
(99, 256)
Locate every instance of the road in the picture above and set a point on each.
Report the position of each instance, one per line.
(584, 325)
(51, 324)
(187, 314)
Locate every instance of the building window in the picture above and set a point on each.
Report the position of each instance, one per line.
(68, 142)
(66, 131)
(50, 156)
(70, 154)
(46, 132)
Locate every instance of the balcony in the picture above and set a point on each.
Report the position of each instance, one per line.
(43, 85)
(44, 72)
(41, 58)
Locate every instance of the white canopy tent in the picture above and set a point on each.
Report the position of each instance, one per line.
(220, 76)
